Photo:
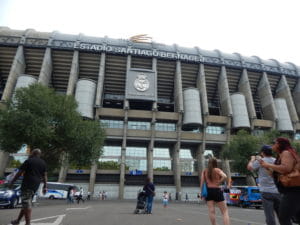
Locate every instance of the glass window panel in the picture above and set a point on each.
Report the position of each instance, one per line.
(165, 126)
(208, 154)
(136, 164)
(215, 130)
(297, 136)
(161, 152)
(112, 123)
(111, 151)
(108, 160)
(136, 151)
(161, 164)
(187, 165)
(138, 125)
(185, 154)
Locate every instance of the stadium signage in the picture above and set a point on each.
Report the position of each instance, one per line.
(137, 51)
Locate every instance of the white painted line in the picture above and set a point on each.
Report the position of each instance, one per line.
(56, 222)
(78, 208)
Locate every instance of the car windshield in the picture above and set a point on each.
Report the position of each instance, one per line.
(5, 187)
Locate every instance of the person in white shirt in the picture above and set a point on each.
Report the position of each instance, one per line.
(80, 196)
(269, 193)
(165, 199)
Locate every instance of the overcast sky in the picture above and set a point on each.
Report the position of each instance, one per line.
(265, 28)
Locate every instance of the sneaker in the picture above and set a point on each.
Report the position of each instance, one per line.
(15, 222)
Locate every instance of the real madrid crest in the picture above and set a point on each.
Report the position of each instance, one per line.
(141, 82)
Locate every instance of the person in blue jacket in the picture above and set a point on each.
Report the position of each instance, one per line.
(149, 189)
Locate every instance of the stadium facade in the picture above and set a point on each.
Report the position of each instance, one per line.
(164, 107)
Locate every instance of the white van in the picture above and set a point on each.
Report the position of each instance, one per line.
(56, 190)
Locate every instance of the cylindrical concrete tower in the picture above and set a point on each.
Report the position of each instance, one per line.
(284, 120)
(239, 111)
(24, 80)
(192, 109)
(85, 96)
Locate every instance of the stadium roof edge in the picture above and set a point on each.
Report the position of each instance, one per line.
(178, 52)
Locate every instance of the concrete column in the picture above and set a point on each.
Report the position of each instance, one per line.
(200, 159)
(18, 67)
(283, 91)
(176, 159)
(100, 83)
(244, 87)
(225, 162)
(151, 143)
(296, 97)
(123, 157)
(201, 85)
(178, 88)
(177, 169)
(4, 159)
(150, 159)
(93, 174)
(46, 70)
(224, 95)
(266, 99)
(74, 73)
(124, 142)
(179, 108)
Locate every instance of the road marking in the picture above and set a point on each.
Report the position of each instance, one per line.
(78, 208)
(58, 220)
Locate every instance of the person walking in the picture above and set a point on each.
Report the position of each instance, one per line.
(286, 160)
(149, 189)
(80, 196)
(88, 196)
(165, 199)
(269, 193)
(213, 177)
(34, 171)
(186, 197)
(69, 195)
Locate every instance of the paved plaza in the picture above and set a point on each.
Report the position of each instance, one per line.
(96, 212)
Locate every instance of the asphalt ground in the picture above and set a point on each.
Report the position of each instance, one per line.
(113, 212)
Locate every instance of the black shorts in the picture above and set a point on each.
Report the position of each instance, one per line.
(214, 194)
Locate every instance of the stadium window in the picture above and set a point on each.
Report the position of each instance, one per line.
(136, 158)
(139, 125)
(112, 123)
(186, 160)
(215, 130)
(165, 126)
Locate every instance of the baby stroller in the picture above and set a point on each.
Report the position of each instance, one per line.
(141, 203)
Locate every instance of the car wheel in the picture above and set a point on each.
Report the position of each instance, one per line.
(14, 203)
(51, 197)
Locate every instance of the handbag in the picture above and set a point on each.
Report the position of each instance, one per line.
(204, 190)
(291, 179)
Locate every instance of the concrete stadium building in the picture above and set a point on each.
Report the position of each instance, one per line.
(164, 107)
